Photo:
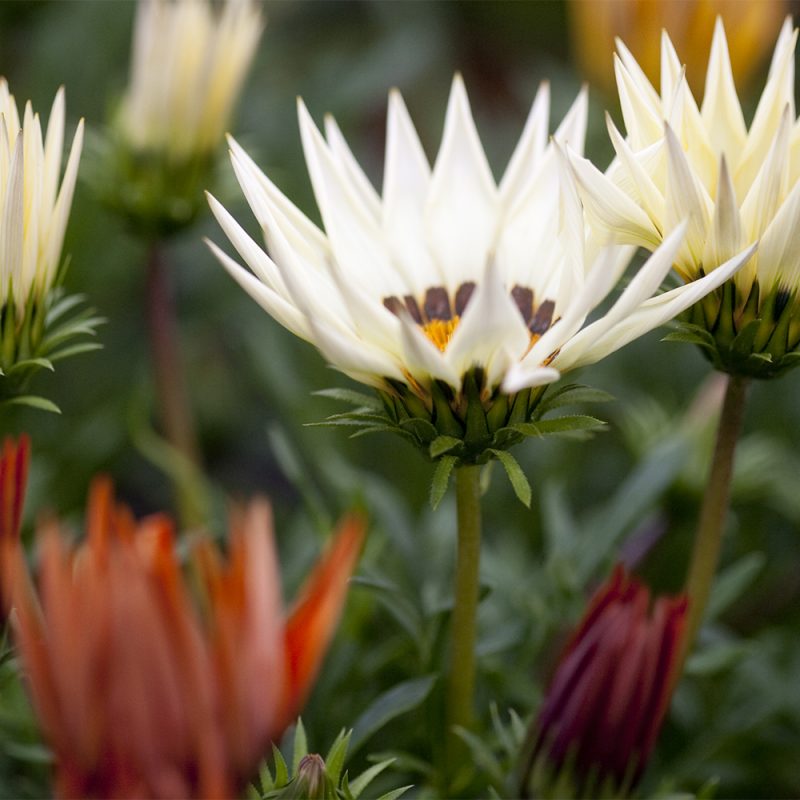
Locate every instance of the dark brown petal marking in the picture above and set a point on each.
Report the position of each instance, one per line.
(523, 297)
(393, 304)
(463, 295)
(543, 318)
(437, 304)
(413, 309)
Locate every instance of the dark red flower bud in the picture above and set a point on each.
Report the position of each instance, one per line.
(603, 710)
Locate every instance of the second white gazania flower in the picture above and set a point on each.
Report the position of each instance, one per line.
(452, 295)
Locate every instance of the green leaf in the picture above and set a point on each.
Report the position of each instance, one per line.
(28, 363)
(572, 425)
(398, 700)
(74, 350)
(352, 398)
(41, 403)
(441, 479)
(571, 395)
(334, 761)
(522, 488)
(395, 793)
(730, 585)
(481, 754)
(365, 778)
(281, 769)
(395, 602)
(443, 444)
(300, 747)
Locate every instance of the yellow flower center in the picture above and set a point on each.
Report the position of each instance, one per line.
(440, 331)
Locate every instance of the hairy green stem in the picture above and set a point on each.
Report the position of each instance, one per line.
(172, 397)
(708, 539)
(461, 674)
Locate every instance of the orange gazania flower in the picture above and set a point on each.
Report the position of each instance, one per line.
(13, 481)
(141, 696)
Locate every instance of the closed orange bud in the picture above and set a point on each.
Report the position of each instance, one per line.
(13, 481)
(138, 693)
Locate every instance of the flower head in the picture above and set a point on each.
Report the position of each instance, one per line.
(188, 64)
(452, 295)
(35, 202)
(139, 697)
(735, 185)
(604, 708)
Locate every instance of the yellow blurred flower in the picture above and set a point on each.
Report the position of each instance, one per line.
(690, 24)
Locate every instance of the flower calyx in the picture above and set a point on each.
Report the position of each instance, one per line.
(757, 336)
(471, 427)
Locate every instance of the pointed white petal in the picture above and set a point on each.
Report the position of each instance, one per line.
(528, 152)
(779, 250)
(725, 235)
(685, 199)
(721, 111)
(406, 181)
(275, 305)
(462, 208)
(422, 358)
(12, 221)
(572, 130)
(351, 168)
(769, 187)
(642, 114)
(610, 209)
(356, 240)
(491, 333)
(520, 377)
(671, 68)
(642, 286)
(648, 194)
(654, 312)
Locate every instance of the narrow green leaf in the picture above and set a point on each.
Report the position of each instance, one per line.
(571, 395)
(42, 403)
(443, 444)
(74, 350)
(441, 479)
(334, 761)
(300, 748)
(365, 778)
(481, 754)
(265, 778)
(520, 484)
(28, 363)
(395, 793)
(732, 582)
(398, 700)
(281, 769)
(574, 424)
(352, 398)
(253, 793)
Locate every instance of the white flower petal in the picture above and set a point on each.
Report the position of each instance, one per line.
(779, 249)
(529, 150)
(462, 208)
(721, 110)
(422, 358)
(276, 306)
(351, 169)
(491, 333)
(642, 114)
(725, 234)
(572, 130)
(406, 181)
(520, 377)
(609, 208)
(353, 233)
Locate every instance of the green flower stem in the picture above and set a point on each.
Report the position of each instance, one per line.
(708, 539)
(461, 675)
(172, 397)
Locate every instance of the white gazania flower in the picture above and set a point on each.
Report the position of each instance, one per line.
(187, 68)
(735, 185)
(34, 208)
(449, 285)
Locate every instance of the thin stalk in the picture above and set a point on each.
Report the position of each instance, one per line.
(708, 539)
(461, 674)
(172, 397)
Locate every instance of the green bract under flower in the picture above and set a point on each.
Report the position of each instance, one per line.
(454, 296)
(731, 184)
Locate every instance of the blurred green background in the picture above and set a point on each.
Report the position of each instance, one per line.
(737, 716)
